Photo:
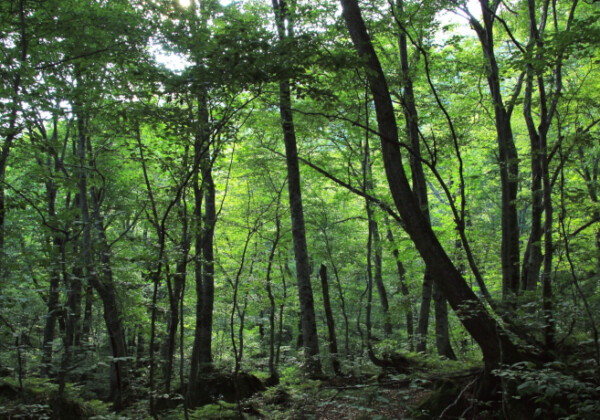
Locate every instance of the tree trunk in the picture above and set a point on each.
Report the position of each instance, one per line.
(105, 287)
(86, 328)
(442, 336)
(404, 291)
(383, 299)
(507, 154)
(495, 345)
(333, 349)
(305, 293)
(204, 194)
(52, 304)
(423, 322)
(208, 267)
(13, 129)
(273, 374)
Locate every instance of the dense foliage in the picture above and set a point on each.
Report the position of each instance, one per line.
(198, 201)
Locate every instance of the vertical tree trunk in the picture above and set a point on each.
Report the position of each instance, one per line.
(273, 374)
(204, 195)
(507, 154)
(383, 299)
(404, 291)
(442, 337)
(175, 295)
(423, 322)
(340, 291)
(86, 328)
(305, 293)
(375, 240)
(333, 349)
(52, 304)
(105, 287)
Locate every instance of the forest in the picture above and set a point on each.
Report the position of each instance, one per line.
(293, 209)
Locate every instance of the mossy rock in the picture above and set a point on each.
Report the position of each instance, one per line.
(37, 400)
(443, 396)
(225, 386)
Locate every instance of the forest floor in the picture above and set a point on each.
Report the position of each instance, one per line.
(554, 391)
(343, 398)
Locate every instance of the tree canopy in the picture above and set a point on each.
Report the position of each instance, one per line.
(205, 200)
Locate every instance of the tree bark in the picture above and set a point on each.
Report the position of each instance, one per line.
(404, 291)
(305, 293)
(333, 349)
(507, 154)
(201, 359)
(424, 310)
(273, 374)
(105, 287)
(442, 336)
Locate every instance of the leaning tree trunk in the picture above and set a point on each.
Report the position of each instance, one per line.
(310, 339)
(496, 347)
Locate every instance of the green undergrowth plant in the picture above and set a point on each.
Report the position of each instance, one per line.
(557, 390)
(37, 399)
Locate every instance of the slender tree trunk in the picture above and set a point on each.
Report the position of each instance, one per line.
(175, 296)
(105, 287)
(208, 269)
(383, 299)
(281, 312)
(404, 291)
(333, 349)
(423, 322)
(273, 374)
(442, 337)
(411, 117)
(305, 293)
(201, 359)
(86, 328)
(52, 304)
(168, 346)
(507, 154)
(375, 240)
(340, 291)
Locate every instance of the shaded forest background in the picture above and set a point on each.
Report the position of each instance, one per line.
(203, 201)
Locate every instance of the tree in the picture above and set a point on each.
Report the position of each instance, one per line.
(285, 29)
(495, 344)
